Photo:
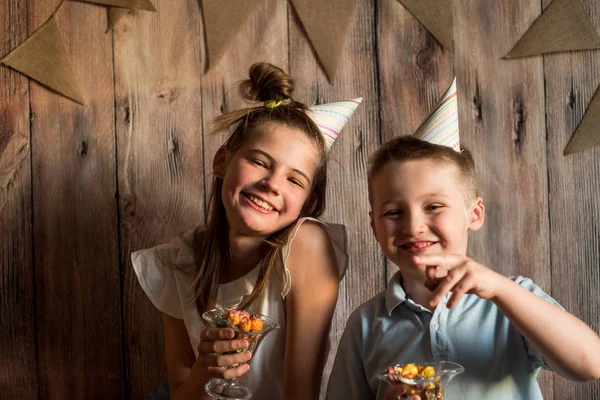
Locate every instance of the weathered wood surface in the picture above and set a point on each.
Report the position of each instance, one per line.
(502, 123)
(160, 162)
(133, 168)
(77, 282)
(18, 369)
(573, 187)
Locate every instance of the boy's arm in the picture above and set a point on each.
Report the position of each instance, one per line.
(347, 379)
(567, 344)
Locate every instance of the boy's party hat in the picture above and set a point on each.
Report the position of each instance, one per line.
(441, 127)
(331, 118)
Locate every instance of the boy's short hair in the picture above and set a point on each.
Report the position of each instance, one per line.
(411, 148)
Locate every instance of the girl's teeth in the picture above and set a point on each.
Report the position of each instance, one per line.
(260, 203)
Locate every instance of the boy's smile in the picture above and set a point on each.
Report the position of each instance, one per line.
(419, 207)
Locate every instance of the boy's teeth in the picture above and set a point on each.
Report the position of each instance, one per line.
(260, 203)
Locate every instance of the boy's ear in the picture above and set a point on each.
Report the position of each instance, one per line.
(372, 223)
(219, 162)
(477, 215)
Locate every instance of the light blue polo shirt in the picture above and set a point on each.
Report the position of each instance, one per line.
(391, 329)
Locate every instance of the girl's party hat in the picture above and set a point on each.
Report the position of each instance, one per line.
(441, 127)
(331, 118)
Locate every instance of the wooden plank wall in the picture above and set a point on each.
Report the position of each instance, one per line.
(133, 168)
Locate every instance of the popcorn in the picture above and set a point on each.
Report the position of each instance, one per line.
(421, 380)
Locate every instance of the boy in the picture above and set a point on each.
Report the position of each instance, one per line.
(442, 305)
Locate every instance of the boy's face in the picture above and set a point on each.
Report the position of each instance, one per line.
(419, 207)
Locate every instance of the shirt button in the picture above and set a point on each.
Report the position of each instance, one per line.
(434, 325)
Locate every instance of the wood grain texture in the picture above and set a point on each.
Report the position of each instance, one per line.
(160, 163)
(571, 81)
(502, 122)
(18, 369)
(347, 183)
(421, 74)
(75, 217)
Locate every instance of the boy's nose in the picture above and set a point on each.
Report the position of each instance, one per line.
(413, 225)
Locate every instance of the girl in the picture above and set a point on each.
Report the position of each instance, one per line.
(261, 249)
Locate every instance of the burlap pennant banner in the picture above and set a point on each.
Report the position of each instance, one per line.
(115, 14)
(222, 22)
(435, 16)
(327, 24)
(139, 4)
(564, 26)
(43, 57)
(587, 134)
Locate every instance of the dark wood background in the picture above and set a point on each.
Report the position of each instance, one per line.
(130, 170)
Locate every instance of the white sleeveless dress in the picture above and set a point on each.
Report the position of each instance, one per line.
(168, 288)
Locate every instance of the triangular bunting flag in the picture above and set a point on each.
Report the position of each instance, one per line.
(564, 26)
(115, 14)
(441, 127)
(139, 4)
(326, 24)
(587, 134)
(435, 16)
(44, 58)
(331, 118)
(222, 21)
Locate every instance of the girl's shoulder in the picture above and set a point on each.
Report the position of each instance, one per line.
(165, 271)
(316, 235)
(178, 253)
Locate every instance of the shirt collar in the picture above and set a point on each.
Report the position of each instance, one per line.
(394, 294)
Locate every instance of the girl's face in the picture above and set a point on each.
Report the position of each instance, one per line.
(268, 179)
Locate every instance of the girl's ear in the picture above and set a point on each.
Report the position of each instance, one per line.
(219, 162)
(476, 216)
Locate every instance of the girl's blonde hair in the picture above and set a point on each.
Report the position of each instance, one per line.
(266, 83)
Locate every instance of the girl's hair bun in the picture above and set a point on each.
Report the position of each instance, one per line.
(267, 82)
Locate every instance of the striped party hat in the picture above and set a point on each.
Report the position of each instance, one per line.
(441, 127)
(331, 118)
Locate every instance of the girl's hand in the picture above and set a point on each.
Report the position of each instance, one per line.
(398, 392)
(457, 274)
(214, 342)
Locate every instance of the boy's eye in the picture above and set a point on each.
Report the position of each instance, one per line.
(433, 207)
(392, 213)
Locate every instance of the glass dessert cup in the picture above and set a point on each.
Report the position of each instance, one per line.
(427, 387)
(231, 389)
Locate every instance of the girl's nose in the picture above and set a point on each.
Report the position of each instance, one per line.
(270, 184)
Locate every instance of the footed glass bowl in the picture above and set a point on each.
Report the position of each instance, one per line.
(231, 389)
(428, 380)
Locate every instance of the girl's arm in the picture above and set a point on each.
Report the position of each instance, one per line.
(188, 375)
(309, 309)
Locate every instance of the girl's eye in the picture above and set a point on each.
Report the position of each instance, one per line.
(295, 182)
(259, 163)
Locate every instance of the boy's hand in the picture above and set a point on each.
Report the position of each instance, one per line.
(457, 274)
(398, 392)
